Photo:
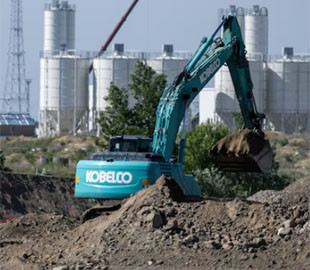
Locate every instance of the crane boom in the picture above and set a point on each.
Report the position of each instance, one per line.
(114, 32)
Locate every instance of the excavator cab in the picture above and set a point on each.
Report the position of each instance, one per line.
(243, 151)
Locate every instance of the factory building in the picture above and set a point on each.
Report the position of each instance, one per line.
(69, 105)
(17, 125)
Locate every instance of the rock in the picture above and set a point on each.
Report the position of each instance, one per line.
(306, 226)
(64, 267)
(172, 212)
(212, 244)
(190, 239)
(244, 257)
(290, 223)
(171, 225)
(284, 231)
(151, 262)
(157, 221)
(154, 217)
(227, 245)
(257, 243)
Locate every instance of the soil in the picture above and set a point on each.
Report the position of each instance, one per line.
(157, 229)
(21, 194)
(244, 142)
(245, 150)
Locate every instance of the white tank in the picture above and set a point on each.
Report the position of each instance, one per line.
(59, 27)
(225, 97)
(171, 64)
(256, 31)
(63, 93)
(288, 94)
(116, 69)
(207, 105)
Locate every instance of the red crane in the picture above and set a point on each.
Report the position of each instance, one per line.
(115, 30)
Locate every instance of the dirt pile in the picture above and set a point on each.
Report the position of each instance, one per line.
(21, 194)
(156, 229)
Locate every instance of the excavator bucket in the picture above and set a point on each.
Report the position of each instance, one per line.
(243, 151)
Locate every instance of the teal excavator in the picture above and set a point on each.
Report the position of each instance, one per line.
(135, 162)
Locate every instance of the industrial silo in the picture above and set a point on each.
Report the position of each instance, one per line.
(256, 31)
(288, 93)
(225, 96)
(171, 64)
(168, 63)
(59, 27)
(63, 95)
(116, 69)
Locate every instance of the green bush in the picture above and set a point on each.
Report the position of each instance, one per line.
(31, 158)
(199, 143)
(217, 183)
(283, 141)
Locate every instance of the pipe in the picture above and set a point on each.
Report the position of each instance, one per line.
(114, 32)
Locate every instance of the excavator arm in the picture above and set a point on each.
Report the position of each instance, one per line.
(212, 54)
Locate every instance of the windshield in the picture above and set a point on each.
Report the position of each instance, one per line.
(140, 145)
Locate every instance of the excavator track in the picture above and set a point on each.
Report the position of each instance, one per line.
(101, 210)
(243, 151)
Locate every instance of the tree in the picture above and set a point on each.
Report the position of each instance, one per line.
(146, 88)
(199, 143)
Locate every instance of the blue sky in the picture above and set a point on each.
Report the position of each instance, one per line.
(151, 24)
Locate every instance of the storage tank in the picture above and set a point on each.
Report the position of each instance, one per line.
(207, 105)
(59, 27)
(115, 68)
(256, 31)
(63, 95)
(288, 94)
(171, 64)
(225, 97)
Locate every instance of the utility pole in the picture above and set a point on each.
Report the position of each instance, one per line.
(16, 89)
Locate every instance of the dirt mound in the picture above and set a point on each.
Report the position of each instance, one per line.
(22, 194)
(157, 229)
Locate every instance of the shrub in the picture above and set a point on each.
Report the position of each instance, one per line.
(283, 141)
(199, 143)
(217, 183)
(31, 158)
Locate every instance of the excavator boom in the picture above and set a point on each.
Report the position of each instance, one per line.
(210, 57)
